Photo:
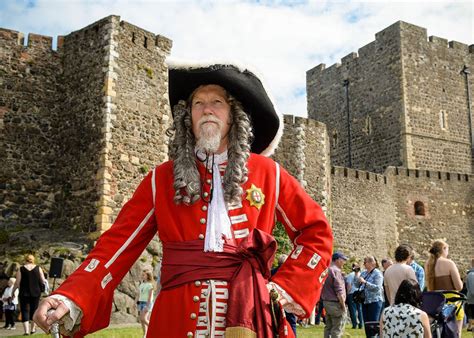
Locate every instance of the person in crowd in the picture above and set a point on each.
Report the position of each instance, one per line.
(30, 281)
(398, 272)
(470, 297)
(290, 317)
(320, 313)
(371, 281)
(404, 318)
(10, 304)
(3, 284)
(419, 271)
(214, 204)
(334, 297)
(386, 263)
(145, 298)
(355, 309)
(443, 274)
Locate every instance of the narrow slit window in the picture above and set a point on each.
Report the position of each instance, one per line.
(442, 120)
(334, 139)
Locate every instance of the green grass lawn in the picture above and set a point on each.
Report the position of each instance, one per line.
(136, 332)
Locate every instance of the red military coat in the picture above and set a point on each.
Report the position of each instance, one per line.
(152, 209)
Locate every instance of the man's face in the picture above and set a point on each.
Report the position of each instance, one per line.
(210, 113)
(340, 262)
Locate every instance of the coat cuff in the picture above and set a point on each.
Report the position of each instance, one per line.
(74, 316)
(291, 305)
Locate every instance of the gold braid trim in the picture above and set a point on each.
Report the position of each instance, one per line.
(239, 332)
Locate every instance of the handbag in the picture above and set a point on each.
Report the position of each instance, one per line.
(359, 296)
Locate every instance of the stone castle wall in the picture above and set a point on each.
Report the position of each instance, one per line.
(81, 121)
(304, 152)
(363, 214)
(368, 85)
(136, 114)
(28, 111)
(83, 124)
(436, 104)
(399, 89)
(448, 200)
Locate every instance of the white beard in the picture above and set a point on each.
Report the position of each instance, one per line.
(209, 138)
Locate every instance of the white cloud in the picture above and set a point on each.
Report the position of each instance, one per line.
(281, 40)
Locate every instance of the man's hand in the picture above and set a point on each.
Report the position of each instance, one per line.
(45, 319)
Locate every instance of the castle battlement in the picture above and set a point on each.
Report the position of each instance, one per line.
(40, 41)
(358, 174)
(383, 39)
(296, 121)
(429, 174)
(34, 41)
(12, 36)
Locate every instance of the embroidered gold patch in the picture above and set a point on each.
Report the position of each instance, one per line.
(255, 196)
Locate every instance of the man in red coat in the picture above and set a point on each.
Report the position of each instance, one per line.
(214, 204)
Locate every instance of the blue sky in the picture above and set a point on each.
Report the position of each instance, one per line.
(281, 39)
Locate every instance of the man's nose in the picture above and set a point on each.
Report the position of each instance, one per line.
(207, 109)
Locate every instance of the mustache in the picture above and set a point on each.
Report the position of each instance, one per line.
(206, 119)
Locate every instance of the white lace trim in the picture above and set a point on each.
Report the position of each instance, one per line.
(74, 316)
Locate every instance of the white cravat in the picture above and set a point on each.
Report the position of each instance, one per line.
(218, 222)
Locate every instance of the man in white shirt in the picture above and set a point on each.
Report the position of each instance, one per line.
(398, 272)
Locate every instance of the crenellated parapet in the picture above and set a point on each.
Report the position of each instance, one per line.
(358, 174)
(431, 175)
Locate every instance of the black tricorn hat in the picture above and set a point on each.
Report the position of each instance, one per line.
(243, 84)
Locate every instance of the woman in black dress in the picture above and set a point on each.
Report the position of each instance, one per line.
(29, 280)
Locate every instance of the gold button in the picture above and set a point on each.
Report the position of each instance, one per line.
(202, 220)
(204, 293)
(197, 283)
(204, 208)
(210, 171)
(201, 236)
(208, 181)
(193, 316)
(195, 299)
(189, 334)
(205, 194)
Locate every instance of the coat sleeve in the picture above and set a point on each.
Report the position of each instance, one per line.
(303, 273)
(91, 287)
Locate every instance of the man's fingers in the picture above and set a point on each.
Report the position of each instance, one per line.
(49, 311)
(57, 314)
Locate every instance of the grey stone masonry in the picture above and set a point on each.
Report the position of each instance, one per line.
(28, 110)
(303, 151)
(401, 101)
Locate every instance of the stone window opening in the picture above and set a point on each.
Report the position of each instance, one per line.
(145, 42)
(133, 37)
(442, 120)
(419, 208)
(334, 139)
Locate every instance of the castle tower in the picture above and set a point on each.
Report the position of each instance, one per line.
(84, 123)
(403, 100)
(28, 105)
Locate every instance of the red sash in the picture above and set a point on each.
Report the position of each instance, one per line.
(246, 267)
